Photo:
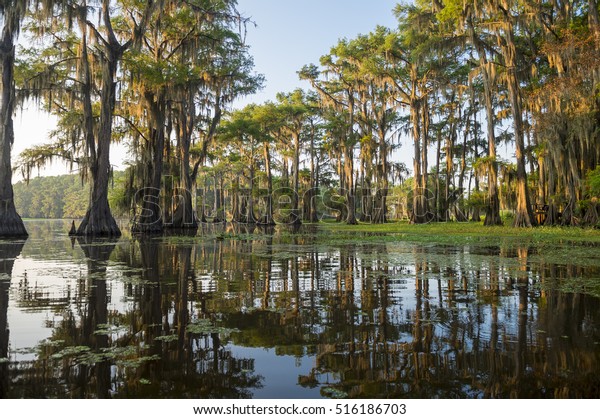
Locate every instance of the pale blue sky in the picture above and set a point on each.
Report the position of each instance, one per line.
(288, 35)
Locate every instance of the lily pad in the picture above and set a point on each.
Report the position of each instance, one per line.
(167, 338)
(71, 351)
(205, 327)
(334, 393)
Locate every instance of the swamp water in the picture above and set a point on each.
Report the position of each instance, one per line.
(237, 312)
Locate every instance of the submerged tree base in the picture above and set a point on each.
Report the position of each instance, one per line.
(98, 223)
(523, 219)
(185, 228)
(492, 218)
(148, 228)
(184, 217)
(11, 224)
(181, 224)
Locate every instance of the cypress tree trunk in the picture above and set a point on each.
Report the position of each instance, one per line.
(295, 214)
(365, 198)
(151, 220)
(450, 141)
(420, 210)
(591, 217)
(98, 220)
(11, 224)
(267, 219)
(314, 182)
(428, 216)
(459, 207)
(219, 204)
(184, 216)
(309, 213)
(552, 211)
(349, 185)
(349, 166)
(380, 210)
(236, 214)
(492, 214)
(475, 216)
(438, 195)
(524, 214)
(569, 212)
(250, 217)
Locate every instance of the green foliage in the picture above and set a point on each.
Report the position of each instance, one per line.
(205, 327)
(456, 233)
(451, 11)
(477, 199)
(593, 182)
(60, 196)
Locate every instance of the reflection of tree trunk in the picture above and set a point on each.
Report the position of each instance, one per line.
(9, 252)
(4, 335)
(521, 355)
(97, 254)
(417, 335)
(384, 302)
(495, 370)
(267, 291)
(150, 261)
(151, 300)
(184, 268)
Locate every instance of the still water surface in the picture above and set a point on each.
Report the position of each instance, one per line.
(239, 312)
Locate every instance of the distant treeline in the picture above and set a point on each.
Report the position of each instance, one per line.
(63, 196)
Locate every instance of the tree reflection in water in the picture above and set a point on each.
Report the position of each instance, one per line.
(9, 251)
(173, 317)
(518, 344)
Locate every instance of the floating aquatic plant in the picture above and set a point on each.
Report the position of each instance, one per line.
(205, 327)
(167, 338)
(71, 351)
(108, 329)
(334, 393)
(137, 362)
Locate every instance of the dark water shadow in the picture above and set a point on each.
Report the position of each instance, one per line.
(9, 251)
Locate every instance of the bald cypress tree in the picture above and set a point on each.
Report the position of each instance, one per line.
(11, 15)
